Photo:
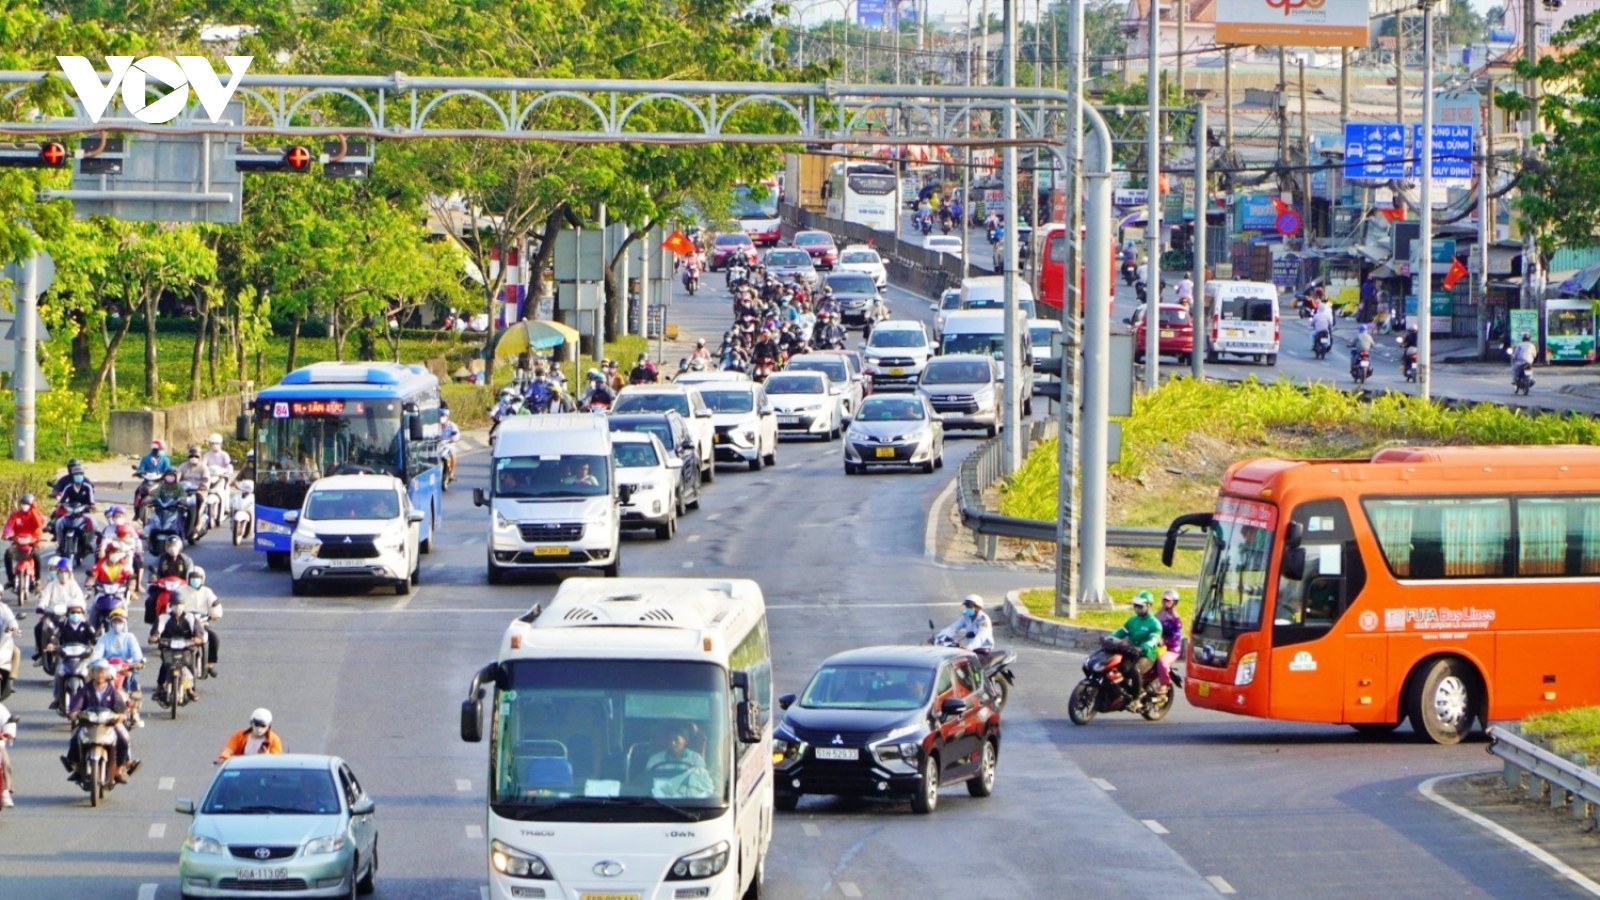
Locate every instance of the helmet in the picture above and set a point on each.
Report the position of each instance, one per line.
(1527, 337)
(643, 357)
(75, 605)
(173, 542)
(26, 499)
(214, 438)
(1169, 594)
(101, 665)
(74, 468)
(262, 717)
(158, 444)
(972, 600)
(62, 564)
(700, 343)
(197, 572)
(594, 375)
(194, 451)
(113, 512)
(1143, 599)
(124, 530)
(1361, 329)
(118, 612)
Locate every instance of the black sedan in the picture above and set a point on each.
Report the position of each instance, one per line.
(889, 720)
(675, 437)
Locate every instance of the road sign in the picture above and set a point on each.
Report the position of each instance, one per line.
(1374, 152)
(1452, 154)
(18, 270)
(161, 177)
(1289, 223)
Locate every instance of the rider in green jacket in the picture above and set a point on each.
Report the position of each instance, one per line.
(1143, 631)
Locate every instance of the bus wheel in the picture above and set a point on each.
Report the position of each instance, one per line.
(277, 560)
(1443, 702)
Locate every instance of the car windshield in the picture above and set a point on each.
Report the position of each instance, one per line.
(951, 301)
(731, 240)
(852, 283)
(652, 402)
(635, 455)
(897, 337)
(807, 240)
(322, 505)
(834, 370)
(1041, 336)
(248, 790)
(974, 342)
(551, 477)
(860, 256)
(794, 384)
(965, 371)
(891, 409)
(868, 687)
(798, 258)
(729, 401)
(611, 740)
(661, 430)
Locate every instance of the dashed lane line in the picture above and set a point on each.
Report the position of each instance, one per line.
(463, 785)
(234, 568)
(810, 829)
(1221, 884)
(688, 564)
(1155, 826)
(147, 891)
(712, 517)
(693, 538)
(1103, 784)
(1510, 837)
(158, 830)
(849, 889)
(475, 831)
(166, 784)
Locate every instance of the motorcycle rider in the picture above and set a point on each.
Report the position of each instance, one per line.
(597, 391)
(507, 405)
(156, 461)
(1523, 353)
(701, 351)
(193, 470)
(643, 372)
(173, 561)
(71, 489)
(171, 489)
(1171, 638)
(539, 392)
(74, 630)
(1143, 631)
(101, 693)
(203, 601)
(177, 623)
(1362, 343)
(8, 733)
(767, 348)
(216, 456)
(25, 521)
(60, 589)
(258, 737)
(1322, 322)
(113, 569)
(119, 643)
(973, 630)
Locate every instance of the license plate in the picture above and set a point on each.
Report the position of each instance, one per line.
(1229, 332)
(716, 439)
(608, 897)
(838, 753)
(897, 371)
(788, 420)
(886, 453)
(1203, 688)
(262, 874)
(1166, 332)
(551, 551)
(347, 563)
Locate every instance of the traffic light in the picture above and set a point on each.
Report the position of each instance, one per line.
(355, 161)
(46, 155)
(108, 159)
(294, 158)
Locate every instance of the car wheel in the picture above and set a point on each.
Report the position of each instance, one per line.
(755, 463)
(277, 560)
(369, 881)
(938, 461)
(402, 587)
(758, 881)
(991, 430)
(416, 574)
(982, 784)
(497, 575)
(709, 473)
(615, 569)
(785, 802)
(926, 799)
(772, 458)
(928, 467)
(297, 587)
(849, 469)
(666, 531)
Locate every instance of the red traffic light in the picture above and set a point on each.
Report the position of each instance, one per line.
(297, 159)
(53, 154)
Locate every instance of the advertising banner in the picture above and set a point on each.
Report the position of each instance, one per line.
(1293, 23)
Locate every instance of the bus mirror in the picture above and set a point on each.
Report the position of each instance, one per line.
(416, 427)
(1294, 563)
(477, 497)
(1192, 520)
(1294, 534)
(241, 427)
(472, 719)
(749, 718)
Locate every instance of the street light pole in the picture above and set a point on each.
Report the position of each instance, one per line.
(1011, 439)
(1425, 279)
(1152, 219)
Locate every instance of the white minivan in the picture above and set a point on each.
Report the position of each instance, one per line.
(983, 331)
(1244, 320)
(553, 495)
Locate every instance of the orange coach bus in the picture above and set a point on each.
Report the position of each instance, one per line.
(1440, 585)
(1051, 289)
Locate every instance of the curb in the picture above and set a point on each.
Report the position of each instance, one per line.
(1030, 627)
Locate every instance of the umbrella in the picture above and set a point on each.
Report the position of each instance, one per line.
(532, 334)
(1584, 281)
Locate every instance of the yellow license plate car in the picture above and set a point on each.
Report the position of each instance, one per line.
(896, 371)
(1166, 333)
(551, 551)
(886, 453)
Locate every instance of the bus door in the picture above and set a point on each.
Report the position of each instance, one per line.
(1315, 664)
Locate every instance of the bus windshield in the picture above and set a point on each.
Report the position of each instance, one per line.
(1233, 579)
(748, 206)
(323, 437)
(611, 741)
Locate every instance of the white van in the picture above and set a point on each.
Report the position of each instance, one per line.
(553, 495)
(1244, 320)
(983, 331)
(989, 292)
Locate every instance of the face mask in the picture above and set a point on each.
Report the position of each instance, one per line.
(195, 582)
(77, 479)
(971, 614)
(75, 618)
(119, 627)
(27, 506)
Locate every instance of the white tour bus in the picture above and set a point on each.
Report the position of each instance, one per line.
(630, 745)
(866, 193)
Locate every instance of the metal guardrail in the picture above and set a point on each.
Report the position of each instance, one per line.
(1565, 783)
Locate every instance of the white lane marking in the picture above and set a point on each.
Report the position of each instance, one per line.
(1221, 884)
(688, 564)
(234, 568)
(1103, 784)
(930, 533)
(713, 517)
(849, 889)
(147, 891)
(166, 784)
(158, 830)
(810, 829)
(1510, 837)
(483, 892)
(1155, 826)
(694, 538)
(794, 467)
(463, 784)
(474, 831)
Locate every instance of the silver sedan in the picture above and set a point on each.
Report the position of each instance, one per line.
(894, 430)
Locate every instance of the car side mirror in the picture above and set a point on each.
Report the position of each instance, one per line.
(952, 707)
(291, 517)
(1127, 321)
(184, 806)
(785, 701)
(624, 492)
(478, 499)
(702, 413)
(766, 410)
(415, 517)
(363, 807)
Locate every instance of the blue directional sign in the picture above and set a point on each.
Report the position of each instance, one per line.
(1452, 153)
(1374, 152)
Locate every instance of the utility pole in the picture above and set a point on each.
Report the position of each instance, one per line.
(1227, 99)
(1283, 108)
(1485, 223)
(1069, 452)
(1344, 89)
(1011, 439)
(966, 172)
(1531, 274)
(1183, 13)
(1425, 278)
(1305, 156)
(983, 45)
(1152, 219)
(1400, 66)
(27, 348)
(1202, 205)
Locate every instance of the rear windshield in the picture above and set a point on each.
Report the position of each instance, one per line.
(802, 240)
(643, 403)
(1041, 336)
(860, 256)
(1177, 317)
(1250, 309)
(635, 454)
(974, 371)
(363, 504)
(794, 384)
(728, 240)
(729, 401)
(788, 258)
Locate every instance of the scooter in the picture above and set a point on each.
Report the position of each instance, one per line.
(1361, 366)
(107, 596)
(1107, 685)
(1408, 363)
(1521, 381)
(165, 590)
(147, 483)
(168, 517)
(996, 663)
(214, 502)
(691, 282)
(25, 572)
(180, 659)
(8, 733)
(10, 663)
(244, 510)
(75, 532)
(1130, 273)
(73, 665)
(447, 462)
(1321, 344)
(97, 748)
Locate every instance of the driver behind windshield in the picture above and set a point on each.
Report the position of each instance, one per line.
(677, 771)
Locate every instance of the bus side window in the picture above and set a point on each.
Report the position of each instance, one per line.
(1334, 575)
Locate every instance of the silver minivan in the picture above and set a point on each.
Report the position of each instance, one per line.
(964, 390)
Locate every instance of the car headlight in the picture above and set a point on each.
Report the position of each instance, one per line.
(708, 863)
(333, 843)
(197, 843)
(750, 436)
(1246, 673)
(306, 547)
(918, 435)
(811, 407)
(394, 540)
(516, 863)
(503, 523)
(853, 435)
(786, 751)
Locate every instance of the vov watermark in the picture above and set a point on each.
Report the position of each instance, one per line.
(180, 75)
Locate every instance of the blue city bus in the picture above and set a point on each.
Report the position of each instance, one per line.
(333, 418)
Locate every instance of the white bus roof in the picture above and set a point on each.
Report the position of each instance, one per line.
(561, 433)
(638, 618)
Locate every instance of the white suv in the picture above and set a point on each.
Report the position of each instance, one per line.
(685, 400)
(746, 426)
(896, 353)
(359, 528)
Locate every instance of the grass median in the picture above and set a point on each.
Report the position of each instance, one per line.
(1041, 602)
(1567, 731)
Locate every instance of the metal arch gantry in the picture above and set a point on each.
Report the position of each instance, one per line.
(400, 107)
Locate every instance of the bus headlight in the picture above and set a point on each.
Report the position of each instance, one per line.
(708, 863)
(516, 863)
(1246, 673)
(266, 527)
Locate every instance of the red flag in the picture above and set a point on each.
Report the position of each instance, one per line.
(1397, 214)
(677, 243)
(1456, 273)
(1279, 207)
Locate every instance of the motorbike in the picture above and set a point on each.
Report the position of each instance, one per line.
(1521, 381)
(75, 532)
(124, 668)
(25, 569)
(8, 733)
(691, 281)
(214, 503)
(108, 595)
(73, 665)
(1142, 292)
(996, 663)
(244, 510)
(10, 663)
(97, 748)
(199, 516)
(447, 461)
(168, 517)
(737, 275)
(1321, 344)
(1107, 685)
(761, 369)
(165, 590)
(180, 657)
(503, 410)
(1361, 366)
(147, 483)
(1130, 273)
(49, 625)
(1408, 364)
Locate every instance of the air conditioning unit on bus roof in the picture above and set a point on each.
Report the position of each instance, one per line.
(352, 373)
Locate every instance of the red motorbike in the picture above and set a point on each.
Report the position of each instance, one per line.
(166, 589)
(762, 368)
(25, 564)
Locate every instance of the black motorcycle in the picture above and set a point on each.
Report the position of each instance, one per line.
(168, 517)
(1361, 366)
(1521, 381)
(996, 663)
(1321, 344)
(1113, 682)
(75, 532)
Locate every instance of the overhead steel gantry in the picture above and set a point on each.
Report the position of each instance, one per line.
(404, 107)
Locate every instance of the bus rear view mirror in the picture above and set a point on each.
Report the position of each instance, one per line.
(749, 718)
(472, 707)
(416, 427)
(1294, 534)
(1202, 521)
(477, 497)
(241, 427)
(1294, 563)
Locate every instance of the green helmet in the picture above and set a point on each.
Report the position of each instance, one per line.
(1143, 598)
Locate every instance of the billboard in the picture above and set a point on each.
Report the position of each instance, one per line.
(1293, 23)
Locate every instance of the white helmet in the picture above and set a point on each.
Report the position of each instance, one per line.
(262, 717)
(972, 600)
(214, 439)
